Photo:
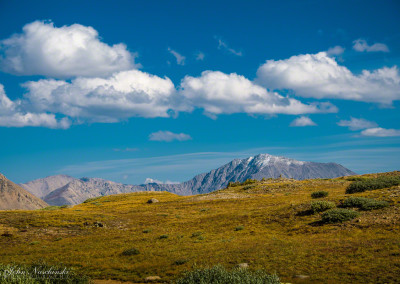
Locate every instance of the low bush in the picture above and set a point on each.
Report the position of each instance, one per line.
(181, 261)
(338, 215)
(92, 199)
(321, 206)
(233, 184)
(131, 251)
(364, 203)
(372, 184)
(163, 237)
(249, 181)
(239, 228)
(196, 234)
(220, 275)
(36, 274)
(319, 194)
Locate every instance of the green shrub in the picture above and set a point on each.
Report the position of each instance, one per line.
(92, 199)
(180, 261)
(196, 234)
(220, 275)
(239, 228)
(356, 178)
(319, 194)
(233, 184)
(28, 274)
(131, 251)
(364, 203)
(338, 215)
(163, 237)
(372, 184)
(321, 206)
(249, 181)
(146, 231)
(247, 187)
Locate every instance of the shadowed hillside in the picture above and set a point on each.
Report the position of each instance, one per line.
(274, 225)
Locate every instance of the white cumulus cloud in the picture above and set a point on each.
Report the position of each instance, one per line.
(357, 123)
(380, 132)
(125, 94)
(220, 93)
(361, 45)
(320, 76)
(68, 51)
(168, 136)
(303, 121)
(12, 115)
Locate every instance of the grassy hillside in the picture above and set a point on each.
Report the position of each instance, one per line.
(268, 224)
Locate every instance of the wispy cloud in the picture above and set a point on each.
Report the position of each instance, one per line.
(168, 136)
(180, 59)
(125, 149)
(223, 45)
(381, 132)
(200, 56)
(361, 45)
(336, 50)
(357, 123)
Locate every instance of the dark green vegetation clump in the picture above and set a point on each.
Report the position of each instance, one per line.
(36, 274)
(321, 206)
(373, 183)
(92, 199)
(131, 251)
(339, 215)
(364, 203)
(220, 275)
(319, 194)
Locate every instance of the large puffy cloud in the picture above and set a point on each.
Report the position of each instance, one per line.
(68, 51)
(320, 76)
(11, 115)
(220, 93)
(124, 94)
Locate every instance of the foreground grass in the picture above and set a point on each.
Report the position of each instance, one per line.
(276, 234)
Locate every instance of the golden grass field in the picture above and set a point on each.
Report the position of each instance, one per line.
(261, 224)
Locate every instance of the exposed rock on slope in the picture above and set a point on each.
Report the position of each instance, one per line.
(13, 196)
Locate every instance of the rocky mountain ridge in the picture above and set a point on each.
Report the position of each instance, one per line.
(60, 190)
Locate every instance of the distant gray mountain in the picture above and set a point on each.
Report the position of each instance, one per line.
(42, 187)
(258, 167)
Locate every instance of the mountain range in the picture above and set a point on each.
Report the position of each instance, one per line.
(62, 189)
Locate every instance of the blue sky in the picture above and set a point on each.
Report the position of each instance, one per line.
(129, 90)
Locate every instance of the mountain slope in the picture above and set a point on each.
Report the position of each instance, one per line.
(258, 167)
(261, 166)
(79, 190)
(42, 187)
(13, 196)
